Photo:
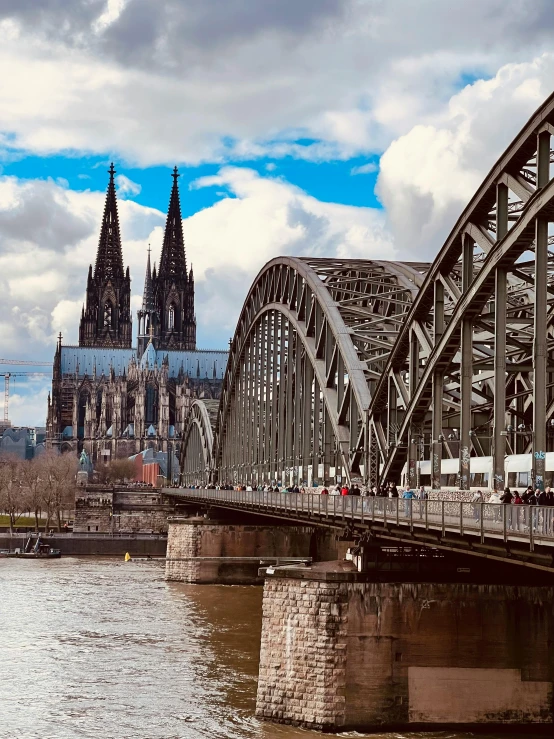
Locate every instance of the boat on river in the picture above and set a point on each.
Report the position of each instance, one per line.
(33, 550)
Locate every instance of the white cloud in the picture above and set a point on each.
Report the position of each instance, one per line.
(237, 78)
(28, 402)
(428, 175)
(229, 242)
(42, 280)
(48, 238)
(368, 168)
(125, 186)
(112, 11)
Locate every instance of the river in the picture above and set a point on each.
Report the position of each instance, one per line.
(105, 649)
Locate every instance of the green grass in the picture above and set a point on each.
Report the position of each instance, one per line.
(22, 521)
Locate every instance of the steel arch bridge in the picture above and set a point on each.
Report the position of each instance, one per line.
(196, 449)
(352, 368)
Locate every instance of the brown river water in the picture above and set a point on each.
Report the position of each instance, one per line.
(107, 649)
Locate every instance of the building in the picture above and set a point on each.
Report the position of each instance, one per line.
(110, 398)
(119, 509)
(23, 441)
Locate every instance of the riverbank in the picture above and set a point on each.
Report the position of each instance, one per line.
(105, 545)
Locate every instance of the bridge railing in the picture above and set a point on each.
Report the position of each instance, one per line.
(532, 524)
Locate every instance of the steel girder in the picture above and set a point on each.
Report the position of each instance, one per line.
(311, 342)
(196, 449)
(475, 354)
(347, 366)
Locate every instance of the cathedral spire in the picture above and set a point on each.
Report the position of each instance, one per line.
(109, 258)
(148, 294)
(173, 261)
(106, 320)
(175, 326)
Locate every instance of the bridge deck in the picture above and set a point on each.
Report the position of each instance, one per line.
(511, 530)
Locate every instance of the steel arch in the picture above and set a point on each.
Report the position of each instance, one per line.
(475, 354)
(310, 343)
(196, 449)
(374, 365)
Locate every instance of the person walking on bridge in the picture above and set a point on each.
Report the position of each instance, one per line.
(506, 499)
(407, 495)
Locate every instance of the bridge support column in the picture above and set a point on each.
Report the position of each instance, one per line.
(201, 550)
(540, 354)
(500, 326)
(466, 370)
(341, 653)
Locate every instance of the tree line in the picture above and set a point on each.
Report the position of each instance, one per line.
(43, 487)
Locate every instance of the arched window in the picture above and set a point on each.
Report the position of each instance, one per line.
(107, 314)
(151, 415)
(84, 397)
(171, 318)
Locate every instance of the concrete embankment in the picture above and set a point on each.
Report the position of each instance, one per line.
(105, 546)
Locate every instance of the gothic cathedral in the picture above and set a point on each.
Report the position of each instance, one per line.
(111, 399)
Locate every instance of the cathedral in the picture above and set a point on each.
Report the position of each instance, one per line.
(110, 398)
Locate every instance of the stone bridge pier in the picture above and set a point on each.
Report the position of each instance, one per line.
(229, 549)
(342, 651)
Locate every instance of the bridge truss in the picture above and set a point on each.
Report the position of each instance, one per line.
(196, 449)
(352, 368)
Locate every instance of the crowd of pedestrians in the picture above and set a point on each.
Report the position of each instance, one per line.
(531, 510)
(540, 516)
(390, 490)
(489, 506)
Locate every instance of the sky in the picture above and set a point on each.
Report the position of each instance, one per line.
(339, 128)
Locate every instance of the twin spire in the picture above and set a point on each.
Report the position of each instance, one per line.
(173, 261)
(166, 318)
(168, 299)
(109, 259)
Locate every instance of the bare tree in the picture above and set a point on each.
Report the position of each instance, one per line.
(33, 480)
(119, 470)
(13, 496)
(60, 484)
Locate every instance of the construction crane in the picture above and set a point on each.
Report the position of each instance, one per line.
(8, 375)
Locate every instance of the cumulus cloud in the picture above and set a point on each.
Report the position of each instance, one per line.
(42, 280)
(428, 175)
(260, 219)
(171, 81)
(125, 186)
(48, 237)
(234, 80)
(28, 401)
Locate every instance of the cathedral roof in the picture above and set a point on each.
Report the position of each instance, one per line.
(173, 262)
(109, 258)
(191, 362)
(149, 358)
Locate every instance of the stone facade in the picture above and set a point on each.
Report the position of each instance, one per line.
(181, 562)
(303, 653)
(122, 511)
(339, 655)
(93, 512)
(201, 550)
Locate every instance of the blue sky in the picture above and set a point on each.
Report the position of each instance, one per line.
(329, 181)
(347, 128)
